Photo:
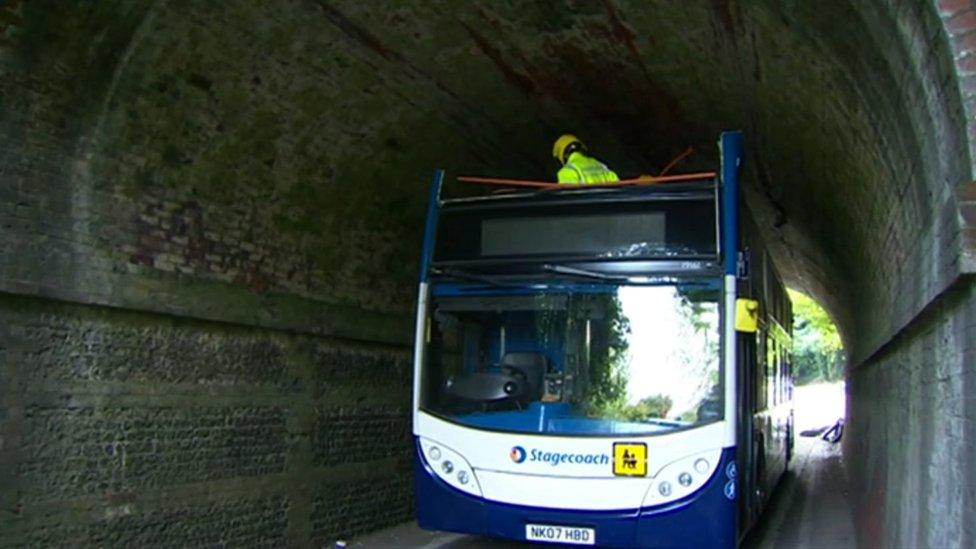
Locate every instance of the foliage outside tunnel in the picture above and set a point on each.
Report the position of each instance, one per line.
(613, 363)
(817, 351)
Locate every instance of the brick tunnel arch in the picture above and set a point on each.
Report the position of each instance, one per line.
(253, 175)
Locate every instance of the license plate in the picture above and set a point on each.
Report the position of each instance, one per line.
(560, 534)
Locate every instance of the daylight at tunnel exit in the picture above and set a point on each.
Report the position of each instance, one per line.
(488, 273)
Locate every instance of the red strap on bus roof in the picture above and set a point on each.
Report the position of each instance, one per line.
(649, 180)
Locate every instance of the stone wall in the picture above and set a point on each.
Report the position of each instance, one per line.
(911, 451)
(122, 427)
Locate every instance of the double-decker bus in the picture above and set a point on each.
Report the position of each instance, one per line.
(600, 365)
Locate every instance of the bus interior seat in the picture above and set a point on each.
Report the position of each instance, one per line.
(530, 365)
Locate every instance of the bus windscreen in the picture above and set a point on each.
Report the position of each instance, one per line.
(625, 360)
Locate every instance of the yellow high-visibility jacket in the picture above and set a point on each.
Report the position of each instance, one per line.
(584, 169)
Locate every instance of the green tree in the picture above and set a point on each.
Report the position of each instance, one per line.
(656, 406)
(607, 390)
(700, 354)
(818, 354)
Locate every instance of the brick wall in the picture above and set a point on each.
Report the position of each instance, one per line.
(204, 328)
(909, 445)
(960, 24)
(208, 209)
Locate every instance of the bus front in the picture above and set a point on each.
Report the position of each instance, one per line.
(571, 384)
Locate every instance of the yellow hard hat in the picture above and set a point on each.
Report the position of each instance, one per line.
(561, 144)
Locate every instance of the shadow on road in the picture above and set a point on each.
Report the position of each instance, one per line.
(809, 508)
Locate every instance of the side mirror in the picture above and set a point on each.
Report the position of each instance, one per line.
(746, 315)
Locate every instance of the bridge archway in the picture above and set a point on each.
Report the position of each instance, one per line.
(262, 167)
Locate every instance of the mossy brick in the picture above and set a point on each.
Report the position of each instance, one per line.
(358, 434)
(344, 510)
(236, 522)
(93, 451)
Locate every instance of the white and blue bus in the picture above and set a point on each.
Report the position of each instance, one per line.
(600, 365)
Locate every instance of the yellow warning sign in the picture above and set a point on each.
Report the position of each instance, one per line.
(746, 315)
(630, 459)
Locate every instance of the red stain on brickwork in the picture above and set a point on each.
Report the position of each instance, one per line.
(959, 20)
(357, 33)
(964, 45)
(967, 65)
(141, 259)
(962, 23)
(516, 77)
(9, 14)
(872, 526)
(968, 213)
(119, 498)
(172, 237)
(183, 237)
(951, 7)
(967, 192)
(724, 9)
(623, 33)
(966, 197)
(968, 237)
(620, 30)
(9, 19)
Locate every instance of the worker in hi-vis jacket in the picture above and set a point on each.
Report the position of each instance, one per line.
(577, 166)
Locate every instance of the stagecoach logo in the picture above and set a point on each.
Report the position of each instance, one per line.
(517, 453)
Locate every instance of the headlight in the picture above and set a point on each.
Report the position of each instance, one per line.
(682, 477)
(701, 466)
(452, 467)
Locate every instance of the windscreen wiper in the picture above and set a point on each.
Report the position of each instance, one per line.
(638, 280)
(465, 275)
(582, 273)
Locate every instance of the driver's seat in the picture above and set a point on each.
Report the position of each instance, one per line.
(531, 366)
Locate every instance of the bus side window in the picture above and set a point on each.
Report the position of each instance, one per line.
(762, 357)
(767, 368)
(782, 374)
(774, 373)
(770, 364)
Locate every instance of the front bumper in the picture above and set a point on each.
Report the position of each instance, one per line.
(705, 519)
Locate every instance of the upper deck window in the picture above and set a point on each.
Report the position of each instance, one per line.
(604, 235)
(651, 228)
